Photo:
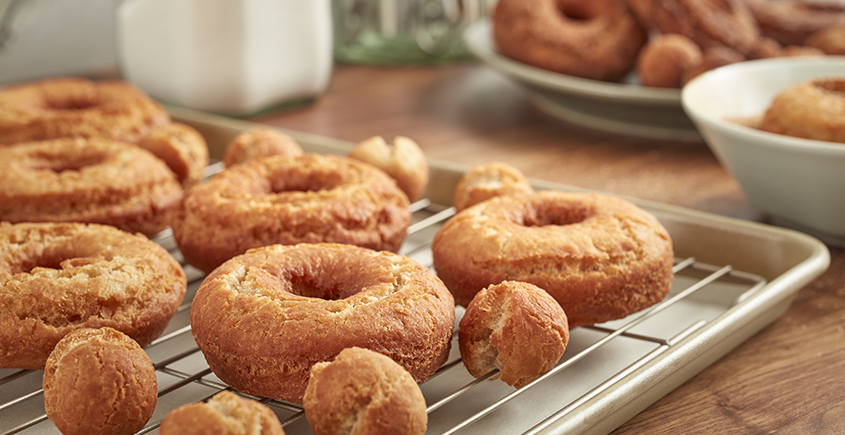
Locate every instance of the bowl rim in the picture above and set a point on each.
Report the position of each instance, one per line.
(761, 137)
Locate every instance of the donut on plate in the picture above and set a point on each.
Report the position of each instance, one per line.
(224, 414)
(811, 110)
(65, 107)
(99, 382)
(486, 181)
(600, 257)
(55, 278)
(290, 199)
(596, 39)
(91, 180)
(259, 142)
(515, 327)
(791, 22)
(363, 392)
(264, 318)
(404, 161)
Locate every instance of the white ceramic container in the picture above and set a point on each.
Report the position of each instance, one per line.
(226, 56)
(799, 183)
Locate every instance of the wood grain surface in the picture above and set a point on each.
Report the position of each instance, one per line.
(788, 379)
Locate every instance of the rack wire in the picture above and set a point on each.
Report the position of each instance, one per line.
(597, 357)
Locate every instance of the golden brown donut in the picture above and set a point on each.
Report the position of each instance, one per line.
(404, 162)
(55, 278)
(99, 382)
(830, 40)
(764, 48)
(596, 39)
(264, 318)
(486, 181)
(791, 22)
(224, 414)
(64, 107)
(665, 59)
(182, 148)
(259, 142)
(91, 180)
(289, 199)
(811, 110)
(714, 57)
(363, 392)
(600, 257)
(515, 327)
(707, 23)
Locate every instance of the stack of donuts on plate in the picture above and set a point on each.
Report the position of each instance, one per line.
(667, 42)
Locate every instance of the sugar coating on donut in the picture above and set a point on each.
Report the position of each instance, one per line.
(403, 160)
(86, 180)
(514, 327)
(259, 142)
(665, 59)
(811, 110)
(182, 148)
(362, 391)
(55, 278)
(99, 381)
(226, 413)
(486, 181)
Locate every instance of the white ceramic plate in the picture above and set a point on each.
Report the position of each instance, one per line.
(623, 108)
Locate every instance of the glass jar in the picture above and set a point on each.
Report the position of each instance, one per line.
(403, 31)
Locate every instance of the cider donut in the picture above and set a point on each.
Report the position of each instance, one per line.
(55, 278)
(182, 148)
(224, 414)
(99, 382)
(65, 107)
(515, 327)
(259, 142)
(596, 40)
(810, 110)
(707, 23)
(791, 22)
(483, 182)
(289, 199)
(600, 257)
(264, 318)
(404, 161)
(90, 180)
(363, 392)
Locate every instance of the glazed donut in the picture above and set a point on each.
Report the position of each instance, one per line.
(259, 142)
(363, 392)
(600, 257)
(811, 110)
(289, 199)
(665, 59)
(830, 40)
(264, 318)
(55, 278)
(99, 382)
(707, 23)
(224, 414)
(66, 107)
(596, 40)
(86, 180)
(486, 181)
(792, 22)
(515, 327)
(182, 148)
(404, 162)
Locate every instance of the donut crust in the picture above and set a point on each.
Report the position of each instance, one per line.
(92, 180)
(290, 199)
(99, 382)
(810, 110)
(263, 319)
(224, 414)
(66, 107)
(600, 257)
(363, 392)
(55, 278)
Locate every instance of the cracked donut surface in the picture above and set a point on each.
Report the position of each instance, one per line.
(600, 257)
(264, 318)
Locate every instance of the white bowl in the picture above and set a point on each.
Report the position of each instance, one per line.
(799, 183)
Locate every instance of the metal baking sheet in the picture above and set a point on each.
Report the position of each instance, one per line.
(732, 278)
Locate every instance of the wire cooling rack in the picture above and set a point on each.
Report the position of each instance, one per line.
(597, 358)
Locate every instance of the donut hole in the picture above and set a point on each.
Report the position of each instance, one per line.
(577, 10)
(71, 102)
(309, 287)
(554, 214)
(304, 180)
(59, 163)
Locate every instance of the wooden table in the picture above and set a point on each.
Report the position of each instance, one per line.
(788, 378)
